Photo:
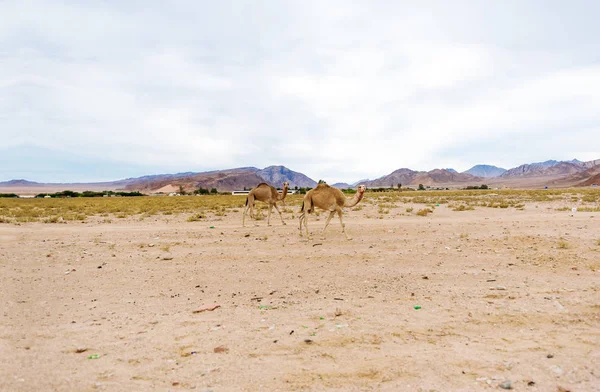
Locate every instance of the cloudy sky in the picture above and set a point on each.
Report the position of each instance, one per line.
(339, 90)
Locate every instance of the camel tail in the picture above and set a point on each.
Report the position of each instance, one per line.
(246, 200)
(309, 206)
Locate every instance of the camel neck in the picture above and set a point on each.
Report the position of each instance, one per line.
(283, 194)
(354, 201)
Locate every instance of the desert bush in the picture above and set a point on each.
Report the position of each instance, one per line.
(195, 218)
(463, 207)
(588, 209)
(424, 212)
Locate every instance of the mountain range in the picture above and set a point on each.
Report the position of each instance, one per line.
(548, 173)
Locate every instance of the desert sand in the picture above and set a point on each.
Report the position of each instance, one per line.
(506, 297)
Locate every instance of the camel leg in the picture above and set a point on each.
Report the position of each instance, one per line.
(331, 214)
(281, 216)
(269, 215)
(246, 209)
(300, 219)
(343, 225)
(304, 219)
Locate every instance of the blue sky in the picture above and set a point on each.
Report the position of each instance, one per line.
(339, 90)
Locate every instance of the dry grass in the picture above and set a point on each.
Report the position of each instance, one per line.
(201, 207)
(424, 212)
(463, 207)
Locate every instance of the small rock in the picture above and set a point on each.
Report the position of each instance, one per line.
(500, 288)
(550, 356)
(506, 385)
(557, 370)
(168, 258)
(308, 341)
(221, 349)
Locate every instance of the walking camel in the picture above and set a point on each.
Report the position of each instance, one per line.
(267, 194)
(328, 199)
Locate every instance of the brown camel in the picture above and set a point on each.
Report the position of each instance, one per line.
(328, 199)
(267, 194)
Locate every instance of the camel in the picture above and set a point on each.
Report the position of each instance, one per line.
(267, 194)
(328, 199)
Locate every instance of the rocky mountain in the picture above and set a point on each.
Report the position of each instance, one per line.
(19, 183)
(590, 175)
(402, 176)
(594, 180)
(341, 185)
(451, 170)
(553, 162)
(408, 177)
(591, 164)
(222, 180)
(444, 177)
(276, 175)
(548, 173)
(485, 171)
(543, 170)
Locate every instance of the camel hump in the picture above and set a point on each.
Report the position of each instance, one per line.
(263, 184)
(323, 185)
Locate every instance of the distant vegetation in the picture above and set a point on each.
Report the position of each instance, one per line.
(67, 193)
(383, 189)
(478, 187)
(9, 195)
(203, 191)
(77, 207)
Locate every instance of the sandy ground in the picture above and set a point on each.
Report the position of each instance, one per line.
(500, 302)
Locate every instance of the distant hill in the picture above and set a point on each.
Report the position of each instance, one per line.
(222, 180)
(444, 177)
(408, 177)
(451, 170)
(595, 179)
(276, 175)
(402, 176)
(544, 170)
(341, 185)
(588, 176)
(357, 183)
(548, 173)
(485, 171)
(553, 162)
(19, 183)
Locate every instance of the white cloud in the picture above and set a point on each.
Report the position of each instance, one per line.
(337, 90)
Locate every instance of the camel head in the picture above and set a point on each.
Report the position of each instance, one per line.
(286, 185)
(361, 189)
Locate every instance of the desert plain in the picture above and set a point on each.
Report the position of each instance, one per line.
(480, 297)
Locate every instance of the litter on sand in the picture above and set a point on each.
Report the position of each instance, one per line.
(207, 307)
